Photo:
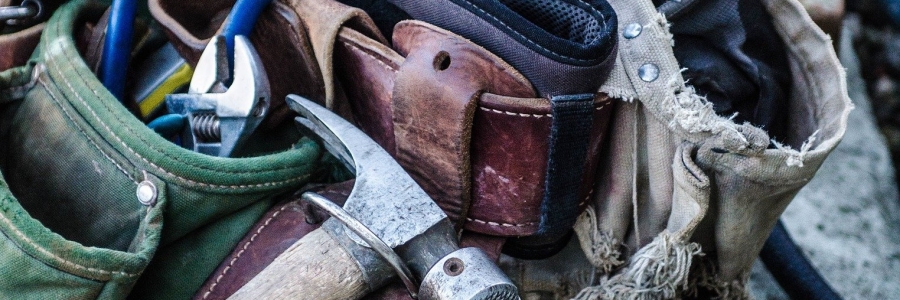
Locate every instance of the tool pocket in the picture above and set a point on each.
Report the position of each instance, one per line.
(88, 186)
(75, 222)
(742, 177)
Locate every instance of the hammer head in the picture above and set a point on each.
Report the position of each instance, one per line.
(393, 206)
(385, 198)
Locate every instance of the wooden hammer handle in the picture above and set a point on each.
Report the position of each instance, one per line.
(315, 267)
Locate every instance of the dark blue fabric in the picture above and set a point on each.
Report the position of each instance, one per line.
(735, 58)
(569, 136)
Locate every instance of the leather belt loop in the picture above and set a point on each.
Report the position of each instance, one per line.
(569, 137)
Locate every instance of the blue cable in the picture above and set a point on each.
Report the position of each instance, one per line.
(117, 47)
(168, 125)
(240, 21)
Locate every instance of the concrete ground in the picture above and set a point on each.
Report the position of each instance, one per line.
(847, 219)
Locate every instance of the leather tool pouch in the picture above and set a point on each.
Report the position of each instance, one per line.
(90, 194)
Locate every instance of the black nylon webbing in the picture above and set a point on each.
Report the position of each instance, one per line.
(569, 136)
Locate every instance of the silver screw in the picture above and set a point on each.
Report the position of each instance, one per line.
(632, 30)
(648, 72)
(146, 193)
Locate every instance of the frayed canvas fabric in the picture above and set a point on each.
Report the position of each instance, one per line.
(686, 197)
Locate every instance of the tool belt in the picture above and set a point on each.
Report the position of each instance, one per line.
(673, 199)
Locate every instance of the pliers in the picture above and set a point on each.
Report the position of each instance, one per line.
(221, 119)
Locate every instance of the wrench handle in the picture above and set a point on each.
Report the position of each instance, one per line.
(315, 267)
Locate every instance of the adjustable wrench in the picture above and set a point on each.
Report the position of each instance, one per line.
(221, 119)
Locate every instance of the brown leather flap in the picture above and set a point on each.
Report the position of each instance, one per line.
(434, 102)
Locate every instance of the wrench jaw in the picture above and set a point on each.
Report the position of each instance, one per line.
(222, 122)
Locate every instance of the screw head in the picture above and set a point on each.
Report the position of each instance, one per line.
(632, 30)
(648, 72)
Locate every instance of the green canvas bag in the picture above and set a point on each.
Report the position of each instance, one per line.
(94, 205)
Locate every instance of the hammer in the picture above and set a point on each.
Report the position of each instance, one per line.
(388, 227)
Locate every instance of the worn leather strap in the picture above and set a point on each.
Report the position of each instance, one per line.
(509, 130)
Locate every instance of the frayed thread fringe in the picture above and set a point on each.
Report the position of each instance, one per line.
(693, 112)
(657, 271)
(796, 158)
(601, 248)
(705, 278)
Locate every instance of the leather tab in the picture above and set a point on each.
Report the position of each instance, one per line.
(434, 101)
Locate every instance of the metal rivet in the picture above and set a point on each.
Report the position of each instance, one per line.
(146, 193)
(454, 266)
(632, 30)
(648, 72)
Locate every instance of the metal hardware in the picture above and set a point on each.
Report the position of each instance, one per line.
(27, 10)
(648, 72)
(632, 30)
(389, 203)
(222, 119)
(146, 193)
(366, 235)
(451, 278)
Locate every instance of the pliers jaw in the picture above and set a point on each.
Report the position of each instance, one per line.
(221, 119)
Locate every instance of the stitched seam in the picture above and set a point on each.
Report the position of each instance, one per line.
(149, 145)
(238, 255)
(190, 182)
(529, 40)
(586, 198)
(514, 114)
(489, 223)
(526, 115)
(91, 140)
(57, 258)
(354, 47)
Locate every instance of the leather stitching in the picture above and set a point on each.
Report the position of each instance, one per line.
(489, 223)
(244, 248)
(528, 115)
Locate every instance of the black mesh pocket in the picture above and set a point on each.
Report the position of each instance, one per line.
(559, 18)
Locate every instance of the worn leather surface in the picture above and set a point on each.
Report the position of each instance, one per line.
(434, 102)
(412, 108)
(284, 224)
(18, 46)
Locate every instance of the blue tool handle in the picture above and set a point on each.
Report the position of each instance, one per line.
(117, 47)
(241, 20)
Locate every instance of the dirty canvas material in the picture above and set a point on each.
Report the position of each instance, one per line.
(95, 205)
(686, 198)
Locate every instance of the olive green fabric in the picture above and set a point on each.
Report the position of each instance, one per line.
(72, 157)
